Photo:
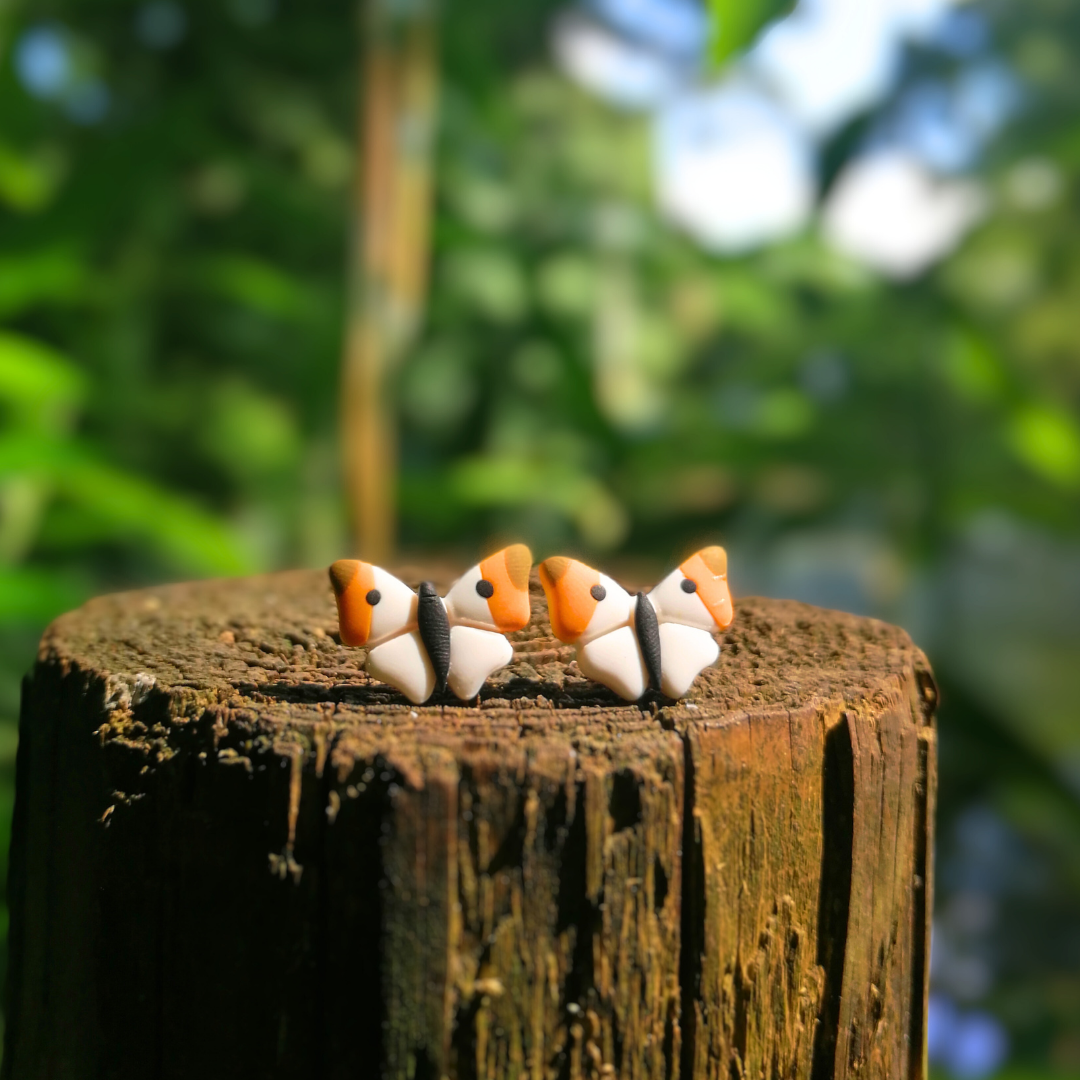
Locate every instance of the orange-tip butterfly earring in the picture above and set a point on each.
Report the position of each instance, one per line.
(419, 641)
(661, 639)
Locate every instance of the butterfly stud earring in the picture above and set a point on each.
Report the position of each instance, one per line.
(661, 639)
(419, 641)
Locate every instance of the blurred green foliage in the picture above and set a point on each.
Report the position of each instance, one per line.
(737, 22)
(173, 223)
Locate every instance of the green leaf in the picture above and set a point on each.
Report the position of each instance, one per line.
(490, 280)
(27, 182)
(785, 413)
(35, 595)
(259, 286)
(1047, 439)
(495, 481)
(751, 305)
(250, 433)
(737, 22)
(973, 368)
(134, 509)
(33, 375)
(23, 499)
(29, 278)
(438, 388)
(567, 285)
(193, 540)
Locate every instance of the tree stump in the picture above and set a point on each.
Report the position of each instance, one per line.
(234, 855)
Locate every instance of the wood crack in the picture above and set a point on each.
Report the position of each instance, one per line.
(834, 897)
(692, 916)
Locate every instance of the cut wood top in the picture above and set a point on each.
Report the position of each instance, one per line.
(270, 645)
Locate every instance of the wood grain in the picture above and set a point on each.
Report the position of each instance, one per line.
(235, 855)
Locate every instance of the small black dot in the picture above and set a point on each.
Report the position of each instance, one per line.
(373, 597)
(485, 588)
(598, 592)
(688, 585)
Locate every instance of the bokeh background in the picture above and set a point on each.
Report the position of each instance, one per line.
(819, 300)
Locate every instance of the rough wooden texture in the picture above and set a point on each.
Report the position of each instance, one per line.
(234, 855)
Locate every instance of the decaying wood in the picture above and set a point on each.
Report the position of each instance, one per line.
(234, 855)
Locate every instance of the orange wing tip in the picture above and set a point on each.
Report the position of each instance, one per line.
(707, 569)
(554, 568)
(508, 571)
(352, 580)
(715, 558)
(518, 559)
(549, 580)
(342, 573)
(567, 584)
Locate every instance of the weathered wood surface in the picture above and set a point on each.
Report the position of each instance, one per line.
(235, 856)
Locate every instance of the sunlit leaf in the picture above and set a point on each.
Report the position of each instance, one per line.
(483, 202)
(23, 500)
(567, 284)
(249, 432)
(737, 22)
(27, 181)
(133, 509)
(36, 379)
(784, 414)
(489, 280)
(599, 516)
(191, 539)
(1047, 440)
(751, 304)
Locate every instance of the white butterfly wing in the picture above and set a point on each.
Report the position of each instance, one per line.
(685, 651)
(615, 660)
(403, 662)
(494, 594)
(691, 604)
(464, 603)
(475, 655)
(394, 611)
(674, 604)
(611, 611)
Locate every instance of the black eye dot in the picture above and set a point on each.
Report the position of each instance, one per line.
(373, 597)
(688, 585)
(485, 588)
(598, 592)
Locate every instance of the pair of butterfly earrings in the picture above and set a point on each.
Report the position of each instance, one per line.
(419, 641)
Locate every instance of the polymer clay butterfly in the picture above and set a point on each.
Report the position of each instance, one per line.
(419, 641)
(661, 639)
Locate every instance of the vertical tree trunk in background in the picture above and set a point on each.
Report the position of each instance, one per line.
(235, 855)
(388, 275)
